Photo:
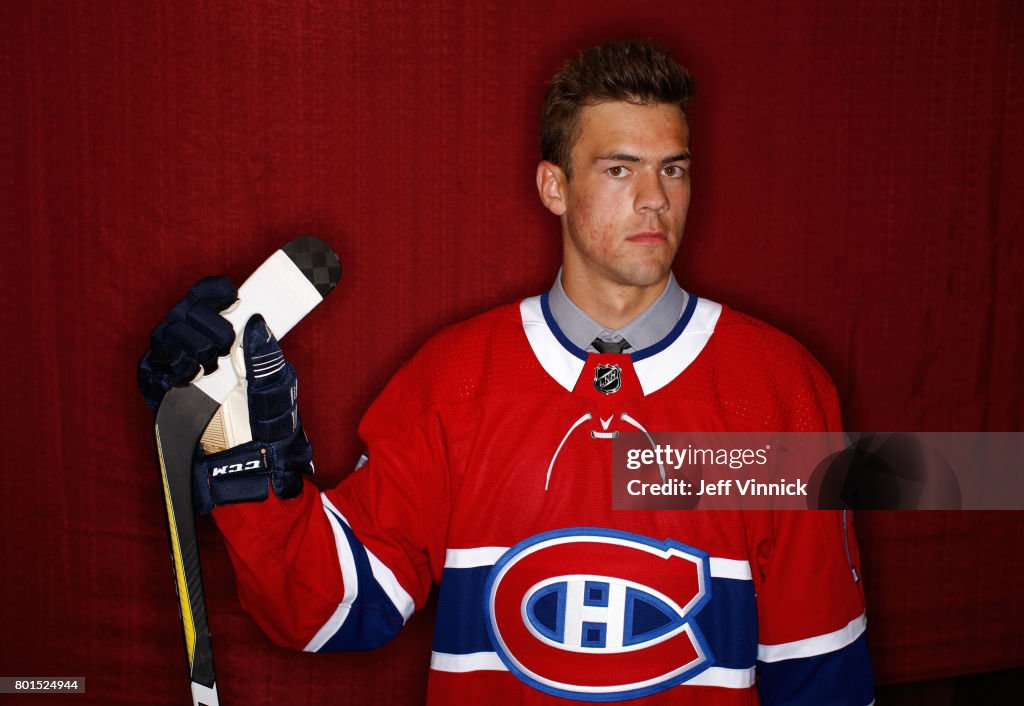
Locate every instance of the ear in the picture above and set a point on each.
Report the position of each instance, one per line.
(551, 186)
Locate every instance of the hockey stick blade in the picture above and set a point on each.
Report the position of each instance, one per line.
(286, 287)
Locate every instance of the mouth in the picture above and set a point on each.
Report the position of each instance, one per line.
(650, 237)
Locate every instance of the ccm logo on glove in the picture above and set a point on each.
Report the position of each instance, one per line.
(236, 467)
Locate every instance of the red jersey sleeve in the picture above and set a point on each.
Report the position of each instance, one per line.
(344, 569)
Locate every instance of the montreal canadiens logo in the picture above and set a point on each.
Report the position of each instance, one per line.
(599, 615)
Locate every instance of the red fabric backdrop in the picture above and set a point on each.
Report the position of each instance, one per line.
(857, 182)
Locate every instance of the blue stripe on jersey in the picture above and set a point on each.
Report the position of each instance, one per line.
(373, 619)
(728, 620)
(840, 678)
(669, 339)
(671, 336)
(729, 623)
(460, 627)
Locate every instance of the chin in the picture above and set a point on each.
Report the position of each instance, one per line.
(645, 277)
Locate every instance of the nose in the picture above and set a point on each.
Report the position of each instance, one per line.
(650, 193)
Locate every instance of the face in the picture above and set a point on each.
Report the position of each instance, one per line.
(624, 208)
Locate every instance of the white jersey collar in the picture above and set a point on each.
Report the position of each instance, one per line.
(655, 366)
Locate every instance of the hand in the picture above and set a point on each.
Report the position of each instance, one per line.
(193, 335)
(259, 426)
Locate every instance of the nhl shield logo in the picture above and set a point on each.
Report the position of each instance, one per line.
(607, 378)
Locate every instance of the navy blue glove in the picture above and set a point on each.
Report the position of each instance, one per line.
(255, 441)
(259, 426)
(194, 334)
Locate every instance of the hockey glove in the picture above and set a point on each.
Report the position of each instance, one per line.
(259, 426)
(192, 336)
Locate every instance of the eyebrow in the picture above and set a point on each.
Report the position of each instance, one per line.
(626, 157)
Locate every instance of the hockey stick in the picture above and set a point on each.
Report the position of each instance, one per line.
(283, 289)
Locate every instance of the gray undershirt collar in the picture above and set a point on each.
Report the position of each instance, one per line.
(650, 326)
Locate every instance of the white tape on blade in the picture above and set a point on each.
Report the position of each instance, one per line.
(281, 293)
(204, 695)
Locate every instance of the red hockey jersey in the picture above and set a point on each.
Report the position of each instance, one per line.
(489, 473)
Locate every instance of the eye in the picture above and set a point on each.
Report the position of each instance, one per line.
(617, 172)
(674, 171)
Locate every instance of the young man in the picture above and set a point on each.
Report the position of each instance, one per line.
(489, 460)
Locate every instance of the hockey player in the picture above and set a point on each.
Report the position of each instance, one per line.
(489, 459)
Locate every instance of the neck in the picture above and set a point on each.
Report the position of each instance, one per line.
(610, 304)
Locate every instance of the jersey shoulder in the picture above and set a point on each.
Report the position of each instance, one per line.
(464, 360)
(747, 340)
(767, 376)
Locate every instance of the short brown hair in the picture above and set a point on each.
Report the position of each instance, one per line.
(637, 71)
